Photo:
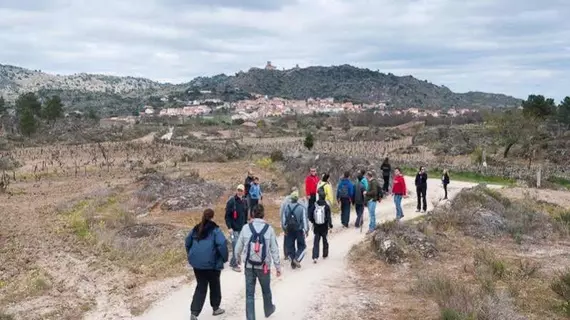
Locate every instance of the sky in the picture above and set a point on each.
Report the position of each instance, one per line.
(516, 47)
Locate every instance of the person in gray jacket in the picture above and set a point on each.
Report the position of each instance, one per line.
(258, 243)
(296, 227)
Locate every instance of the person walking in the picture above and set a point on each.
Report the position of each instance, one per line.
(255, 194)
(207, 252)
(364, 180)
(359, 190)
(445, 182)
(345, 196)
(421, 189)
(311, 183)
(324, 188)
(386, 169)
(247, 185)
(321, 219)
(236, 218)
(258, 243)
(282, 208)
(295, 225)
(399, 190)
(371, 197)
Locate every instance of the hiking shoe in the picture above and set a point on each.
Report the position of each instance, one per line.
(293, 265)
(314, 260)
(286, 258)
(423, 211)
(193, 317)
(297, 263)
(369, 231)
(218, 312)
(417, 210)
(236, 269)
(271, 312)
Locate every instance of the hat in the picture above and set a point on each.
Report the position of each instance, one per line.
(240, 187)
(295, 195)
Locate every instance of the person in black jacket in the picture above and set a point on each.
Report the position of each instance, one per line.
(321, 230)
(236, 218)
(386, 169)
(445, 182)
(421, 189)
(247, 184)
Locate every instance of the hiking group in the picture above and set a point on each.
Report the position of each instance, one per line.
(254, 240)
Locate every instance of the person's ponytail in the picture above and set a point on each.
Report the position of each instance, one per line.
(206, 216)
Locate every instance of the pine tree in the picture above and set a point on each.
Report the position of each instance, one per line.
(28, 123)
(309, 141)
(2, 105)
(53, 109)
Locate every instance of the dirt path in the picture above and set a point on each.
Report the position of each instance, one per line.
(295, 293)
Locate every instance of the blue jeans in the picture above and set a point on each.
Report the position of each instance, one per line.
(234, 237)
(345, 212)
(398, 203)
(297, 237)
(359, 211)
(372, 214)
(251, 277)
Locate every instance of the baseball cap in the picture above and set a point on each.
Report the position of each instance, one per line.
(240, 187)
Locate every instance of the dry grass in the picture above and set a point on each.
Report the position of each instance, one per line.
(472, 278)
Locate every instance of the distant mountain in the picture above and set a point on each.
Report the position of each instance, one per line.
(349, 83)
(15, 81)
(118, 95)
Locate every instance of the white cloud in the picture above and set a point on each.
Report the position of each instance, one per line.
(516, 47)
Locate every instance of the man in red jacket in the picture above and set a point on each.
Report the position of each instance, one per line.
(399, 190)
(311, 187)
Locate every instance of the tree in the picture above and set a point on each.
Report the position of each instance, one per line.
(2, 105)
(536, 106)
(309, 141)
(53, 108)
(92, 114)
(28, 101)
(512, 127)
(28, 123)
(564, 111)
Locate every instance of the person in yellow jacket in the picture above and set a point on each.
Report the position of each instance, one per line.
(329, 195)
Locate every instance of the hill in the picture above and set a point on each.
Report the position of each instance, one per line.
(349, 83)
(111, 94)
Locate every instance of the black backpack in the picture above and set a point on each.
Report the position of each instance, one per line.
(380, 194)
(291, 223)
(321, 193)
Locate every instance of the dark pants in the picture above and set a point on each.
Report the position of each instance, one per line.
(205, 279)
(359, 211)
(251, 277)
(445, 189)
(312, 200)
(386, 183)
(345, 212)
(296, 245)
(421, 191)
(321, 232)
(252, 204)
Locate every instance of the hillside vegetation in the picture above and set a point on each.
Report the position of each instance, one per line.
(351, 84)
(344, 83)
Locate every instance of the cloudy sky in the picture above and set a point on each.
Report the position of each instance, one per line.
(509, 46)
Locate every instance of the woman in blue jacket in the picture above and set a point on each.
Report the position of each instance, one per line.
(207, 252)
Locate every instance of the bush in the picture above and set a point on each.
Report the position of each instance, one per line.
(277, 156)
(264, 163)
(561, 286)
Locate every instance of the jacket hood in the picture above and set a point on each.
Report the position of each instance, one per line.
(208, 228)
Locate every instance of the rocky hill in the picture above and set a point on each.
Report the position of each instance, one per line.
(15, 81)
(352, 84)
(345, 83)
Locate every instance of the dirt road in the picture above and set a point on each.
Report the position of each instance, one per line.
(296, 291)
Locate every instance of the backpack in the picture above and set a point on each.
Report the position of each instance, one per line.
(343, 192)
(358, 188)
(291, 223)
(257, 249)
(321, 193)
(319, 214)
